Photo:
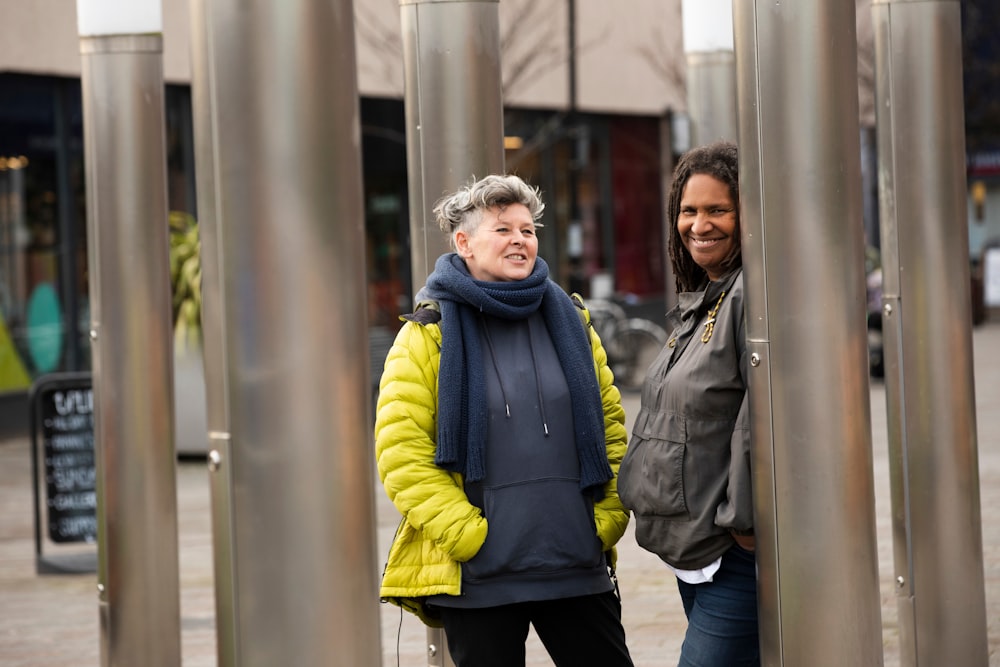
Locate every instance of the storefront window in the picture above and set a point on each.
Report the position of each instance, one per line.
(42, 229)
(44, 306)
(599, 176)
(639, 242)
(386, 212)
(600, 179)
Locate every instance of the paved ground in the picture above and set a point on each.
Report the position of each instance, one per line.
(51, 621)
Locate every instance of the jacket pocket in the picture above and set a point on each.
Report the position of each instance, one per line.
(539, 526)
(651, 477)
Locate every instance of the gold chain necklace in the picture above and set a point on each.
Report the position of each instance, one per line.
(710, 324)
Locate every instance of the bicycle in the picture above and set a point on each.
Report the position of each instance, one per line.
(632, 343)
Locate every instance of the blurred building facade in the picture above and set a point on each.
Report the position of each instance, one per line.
(616, 141)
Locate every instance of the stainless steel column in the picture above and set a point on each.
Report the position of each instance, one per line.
(454, 129)
(711, 69)
(213, 336)
(927, 322)
(132, 341)
(803, 252)
(292, 456)
(454, 109)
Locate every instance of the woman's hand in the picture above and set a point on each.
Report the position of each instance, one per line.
(746, 542)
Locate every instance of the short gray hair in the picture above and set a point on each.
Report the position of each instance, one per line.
(463, 210)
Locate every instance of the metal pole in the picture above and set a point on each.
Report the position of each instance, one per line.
(454, 129)
(292, 479)
(454, 109)
(213, 336)
(125, 154)
(711, 69)
(711, 95)
(927, 320)
(803, 252)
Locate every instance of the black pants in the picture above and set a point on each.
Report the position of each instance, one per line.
(575, 631)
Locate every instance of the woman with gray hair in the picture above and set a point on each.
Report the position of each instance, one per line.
(498, 436)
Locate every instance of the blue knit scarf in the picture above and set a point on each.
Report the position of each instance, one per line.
(462, 404)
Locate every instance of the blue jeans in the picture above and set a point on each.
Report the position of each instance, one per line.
(722, 615)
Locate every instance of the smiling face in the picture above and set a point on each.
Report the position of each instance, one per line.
(707, 223)
(503, 247)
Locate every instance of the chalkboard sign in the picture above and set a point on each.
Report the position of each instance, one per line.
(62, 433)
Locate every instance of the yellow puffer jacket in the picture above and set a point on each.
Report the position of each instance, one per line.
(440, 527)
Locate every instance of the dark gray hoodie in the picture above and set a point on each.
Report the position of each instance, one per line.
(542, 542)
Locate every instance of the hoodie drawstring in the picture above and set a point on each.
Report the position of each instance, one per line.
(534, 366)
(496, 367)
(538, 383)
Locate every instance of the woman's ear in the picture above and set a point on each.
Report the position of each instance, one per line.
(462, 244)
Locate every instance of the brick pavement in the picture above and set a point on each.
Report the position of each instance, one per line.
(51, 621)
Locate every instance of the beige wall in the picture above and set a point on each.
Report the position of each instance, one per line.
(631, 55)
(630, 52)
(620, 46)
(623, 48)
(40, 37)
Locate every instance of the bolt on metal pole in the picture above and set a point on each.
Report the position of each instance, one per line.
(803, 251)
(291, 475)
(131, 333)
(454, 129)
(927, 324)
(711, 69)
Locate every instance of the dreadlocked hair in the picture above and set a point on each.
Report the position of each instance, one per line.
(719, 161)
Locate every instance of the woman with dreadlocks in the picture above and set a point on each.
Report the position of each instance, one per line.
(686, 475)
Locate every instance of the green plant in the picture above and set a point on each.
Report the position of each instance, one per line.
(185, 279)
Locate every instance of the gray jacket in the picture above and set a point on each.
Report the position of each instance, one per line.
(686, 475)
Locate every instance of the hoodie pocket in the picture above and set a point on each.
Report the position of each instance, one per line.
(539, 526)
(651, 477)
